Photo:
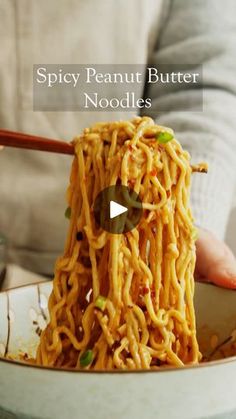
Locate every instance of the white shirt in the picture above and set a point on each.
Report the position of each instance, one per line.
(33, 184)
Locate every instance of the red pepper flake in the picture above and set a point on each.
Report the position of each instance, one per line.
(153, 172)
(144, 290)
(168, 193)
(132, 182)
(130, 147)
(25, 356)
(153, 294)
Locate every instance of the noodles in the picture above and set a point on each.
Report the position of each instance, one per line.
(125, 301)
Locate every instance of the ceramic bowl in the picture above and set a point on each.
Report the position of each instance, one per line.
(204, 391)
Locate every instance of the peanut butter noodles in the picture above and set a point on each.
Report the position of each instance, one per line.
(125, 301)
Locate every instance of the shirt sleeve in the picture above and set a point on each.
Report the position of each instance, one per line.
(202, 33)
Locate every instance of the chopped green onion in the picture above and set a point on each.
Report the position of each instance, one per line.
(68, 212)
(100, 302)
(194, 234)
(164, 137)
(86, 358)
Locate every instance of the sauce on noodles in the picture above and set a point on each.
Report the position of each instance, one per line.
(125, 301)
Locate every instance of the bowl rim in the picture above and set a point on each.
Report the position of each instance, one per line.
(164, 369)
(205, 364)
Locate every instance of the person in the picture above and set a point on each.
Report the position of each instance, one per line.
(64, 31)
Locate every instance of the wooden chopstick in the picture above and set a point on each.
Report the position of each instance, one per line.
(32, 142)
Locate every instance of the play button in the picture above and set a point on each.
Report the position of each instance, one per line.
(117, 209)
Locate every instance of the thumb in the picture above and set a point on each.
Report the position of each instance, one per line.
(215, 262)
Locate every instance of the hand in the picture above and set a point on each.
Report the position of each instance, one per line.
(215, 262)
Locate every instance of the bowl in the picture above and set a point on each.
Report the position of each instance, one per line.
(204, 391)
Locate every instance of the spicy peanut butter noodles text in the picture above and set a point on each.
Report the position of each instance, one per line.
(125, 301)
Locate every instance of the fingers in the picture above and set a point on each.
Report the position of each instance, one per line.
(215, 261)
